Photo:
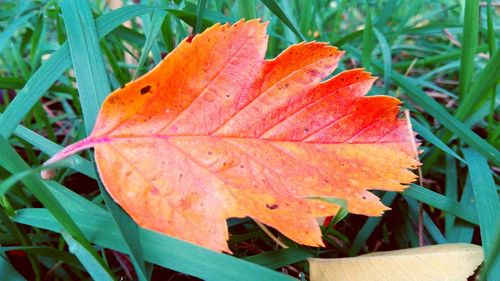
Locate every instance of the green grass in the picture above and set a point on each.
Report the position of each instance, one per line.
(58, 61)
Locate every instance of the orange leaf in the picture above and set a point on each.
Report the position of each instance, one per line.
(215, 131)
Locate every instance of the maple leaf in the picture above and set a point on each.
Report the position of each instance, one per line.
(215, 131)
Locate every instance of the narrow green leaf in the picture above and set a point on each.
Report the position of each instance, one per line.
(487, 203)
(368, 40)
(276, 10)
(307, 18)
(13, 163)
(50, 148)
(148, 25)
(8, 272)
(428, 223)
(7, 183)
(8, 31)
(168, 33)
(159, 249)
(386, 58)
(200, 11)
(36, 39)
(74, 202)
(129, 230)
(20, 237)
(88, 64)
(462, 230)
(483, 83)
(280, 258)
(442, 202)
(247, 9)
(96, 270)
(430, 137)
(57, 255)
(469, 44)
(437, 59)
(451, 191)
(151, 36)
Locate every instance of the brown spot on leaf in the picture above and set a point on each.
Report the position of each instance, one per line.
(272, 207)
(145, 90)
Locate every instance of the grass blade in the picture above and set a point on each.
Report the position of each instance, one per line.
(8, 272)
(442, 202)
(90, 71)
(368, 40)
(151, 35)
(50, 148)
(96, 270)
(451, 191)
(483, 83)
(159, 249)
(487, 203)
(247, 9)
(13, 163)
(280, 258)
(430, 137)
(386, 58)
(276, 10)
(87, 58)
(200, 11)
(469, 44)
(11, 29)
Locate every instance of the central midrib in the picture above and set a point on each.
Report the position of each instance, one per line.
(105, 139)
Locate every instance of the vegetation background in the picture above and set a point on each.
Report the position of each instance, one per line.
(440, 57)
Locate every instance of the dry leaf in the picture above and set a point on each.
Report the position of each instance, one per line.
(446, 262)
(215, 131)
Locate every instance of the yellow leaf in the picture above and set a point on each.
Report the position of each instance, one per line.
(438, 262)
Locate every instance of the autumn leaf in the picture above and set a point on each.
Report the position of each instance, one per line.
(451, 262)
(215, 131)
